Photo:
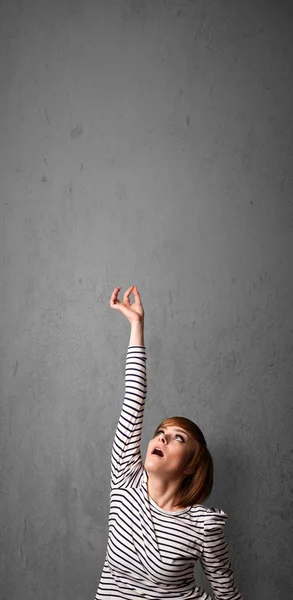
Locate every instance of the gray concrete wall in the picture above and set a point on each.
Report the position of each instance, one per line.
(145, 143)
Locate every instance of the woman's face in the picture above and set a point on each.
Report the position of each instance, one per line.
(169, 451)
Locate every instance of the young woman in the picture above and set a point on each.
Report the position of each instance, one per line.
(158, 527)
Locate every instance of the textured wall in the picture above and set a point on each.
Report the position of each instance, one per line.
(145, 143)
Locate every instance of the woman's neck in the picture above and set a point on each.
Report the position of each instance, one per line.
(163, 492)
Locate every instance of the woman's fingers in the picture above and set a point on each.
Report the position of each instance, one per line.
(127, 294)
(130, 311)
(125, 307)
(136, 295)
(114, 298)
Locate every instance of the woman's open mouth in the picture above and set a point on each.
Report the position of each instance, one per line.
(158, 452)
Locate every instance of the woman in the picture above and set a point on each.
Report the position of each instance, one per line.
(158, 527)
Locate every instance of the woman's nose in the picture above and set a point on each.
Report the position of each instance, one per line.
(162, 438)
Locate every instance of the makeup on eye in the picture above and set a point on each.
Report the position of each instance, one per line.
(176, 434)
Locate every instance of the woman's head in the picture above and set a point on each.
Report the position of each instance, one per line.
(178, 449)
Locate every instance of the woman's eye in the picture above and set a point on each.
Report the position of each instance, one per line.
(177, 435)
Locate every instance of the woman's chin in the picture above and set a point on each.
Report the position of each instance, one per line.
(152, 465)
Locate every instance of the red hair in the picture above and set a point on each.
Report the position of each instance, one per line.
(197, 482)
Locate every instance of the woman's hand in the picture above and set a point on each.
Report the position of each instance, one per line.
(133, 312)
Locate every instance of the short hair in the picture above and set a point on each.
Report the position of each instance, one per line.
(197, 483)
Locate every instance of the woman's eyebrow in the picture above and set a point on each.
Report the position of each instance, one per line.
(182, 431)
(179, 430)
(176, 429)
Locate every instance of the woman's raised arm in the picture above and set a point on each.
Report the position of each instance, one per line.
(126, 458)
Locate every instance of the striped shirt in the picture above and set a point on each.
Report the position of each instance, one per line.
(151, 552)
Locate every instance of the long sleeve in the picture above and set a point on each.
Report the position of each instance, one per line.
(215, 560)
(126, 455)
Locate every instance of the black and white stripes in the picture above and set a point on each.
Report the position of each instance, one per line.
(151, 552)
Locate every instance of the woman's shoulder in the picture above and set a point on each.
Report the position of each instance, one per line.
(209, 516)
